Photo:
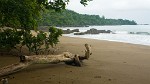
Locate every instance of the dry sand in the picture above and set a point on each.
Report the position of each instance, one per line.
(110, 63)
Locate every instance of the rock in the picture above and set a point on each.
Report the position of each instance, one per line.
(95, 31)
(143, 33)
(68, 31)
(104, 31)
(108, 31)
(86, 26)
(92, 31)
(81, 33)
(75, 30)
(131, 33)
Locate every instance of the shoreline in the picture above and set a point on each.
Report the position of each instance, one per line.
(110, 63)
(108, 40)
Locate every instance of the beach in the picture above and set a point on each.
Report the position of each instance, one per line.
(110, 63)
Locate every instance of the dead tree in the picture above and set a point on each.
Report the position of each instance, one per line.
(25, 61)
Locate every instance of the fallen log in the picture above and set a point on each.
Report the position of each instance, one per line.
(13, 68)
(25, 61)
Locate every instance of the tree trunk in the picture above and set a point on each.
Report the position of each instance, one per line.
(13, 68)
(25, 61)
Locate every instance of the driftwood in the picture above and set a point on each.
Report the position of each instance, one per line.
(25, 61)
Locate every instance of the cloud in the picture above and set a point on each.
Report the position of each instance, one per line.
(129, 9)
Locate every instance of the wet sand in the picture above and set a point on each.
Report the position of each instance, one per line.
(110, 63)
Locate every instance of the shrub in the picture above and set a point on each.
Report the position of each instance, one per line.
(10, 38)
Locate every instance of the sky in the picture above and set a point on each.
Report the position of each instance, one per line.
(137, 10)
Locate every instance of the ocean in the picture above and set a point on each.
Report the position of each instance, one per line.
(134, 34)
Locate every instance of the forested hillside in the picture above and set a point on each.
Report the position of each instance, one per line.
(71, 18)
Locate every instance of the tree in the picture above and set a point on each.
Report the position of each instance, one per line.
(23, 13)
(71, 18)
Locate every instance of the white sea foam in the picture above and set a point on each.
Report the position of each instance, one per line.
(127, 38)
(120, 35)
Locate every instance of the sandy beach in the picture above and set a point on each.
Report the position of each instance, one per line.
(110, 63)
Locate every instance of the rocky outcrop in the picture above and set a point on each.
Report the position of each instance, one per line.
(95, 31)
(75, 30)
(143, 33)
(80, 33)
(68, 31)
(91, 31)
(140, 33)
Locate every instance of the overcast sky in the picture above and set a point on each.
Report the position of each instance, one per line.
(138, 10)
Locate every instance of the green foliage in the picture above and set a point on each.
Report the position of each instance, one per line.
(84, 2)
(24, 13)
(53, 36)
(71, 18)
(9, 38)
(34, 43)
(41, 40)
(19, 13)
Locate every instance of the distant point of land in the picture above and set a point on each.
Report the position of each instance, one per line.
(69, 18)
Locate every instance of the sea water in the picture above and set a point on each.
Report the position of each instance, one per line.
(134, 34)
